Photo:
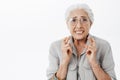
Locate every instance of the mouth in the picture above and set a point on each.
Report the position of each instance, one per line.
(79, 32)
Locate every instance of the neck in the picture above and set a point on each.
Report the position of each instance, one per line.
(80, 42)
(80, 45)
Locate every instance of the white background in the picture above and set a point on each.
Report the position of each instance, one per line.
(28, 27)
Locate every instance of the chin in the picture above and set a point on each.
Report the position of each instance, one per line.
(79, 37)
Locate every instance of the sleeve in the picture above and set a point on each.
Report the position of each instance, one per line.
(107, 62)
(53, 62)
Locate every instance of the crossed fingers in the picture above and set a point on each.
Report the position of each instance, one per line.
(91, 47)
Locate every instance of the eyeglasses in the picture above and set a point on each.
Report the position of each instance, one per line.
(74, 21)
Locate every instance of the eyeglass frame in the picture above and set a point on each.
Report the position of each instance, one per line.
(81, 20)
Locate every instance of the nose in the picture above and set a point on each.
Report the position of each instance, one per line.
(78, 24)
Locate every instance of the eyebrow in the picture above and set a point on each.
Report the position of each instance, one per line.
(74, 17)
(80, 16)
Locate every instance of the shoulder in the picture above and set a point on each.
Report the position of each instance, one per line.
(56, 43)
(103, 47)
(101, 42)
(55, 48)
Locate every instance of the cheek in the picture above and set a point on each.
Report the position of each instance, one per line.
(88, 27)
(70, 28)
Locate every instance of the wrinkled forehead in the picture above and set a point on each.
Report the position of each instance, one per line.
(78, 13)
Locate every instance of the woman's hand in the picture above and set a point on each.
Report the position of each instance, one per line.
(66, 50)
(91, 50)
(66, 57)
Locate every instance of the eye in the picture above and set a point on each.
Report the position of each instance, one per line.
(84, 19)
(74, 20)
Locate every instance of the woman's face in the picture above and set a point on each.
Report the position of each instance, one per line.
(79, 24)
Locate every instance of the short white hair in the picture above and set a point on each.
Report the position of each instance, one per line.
(85, 7)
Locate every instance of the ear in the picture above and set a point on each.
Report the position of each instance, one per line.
(67, 24)
(90, 24)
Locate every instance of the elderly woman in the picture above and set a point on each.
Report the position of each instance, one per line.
(80, 56)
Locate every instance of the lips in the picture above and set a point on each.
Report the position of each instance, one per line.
(79, 31)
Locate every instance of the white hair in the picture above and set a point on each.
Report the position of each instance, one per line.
(85, 7)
